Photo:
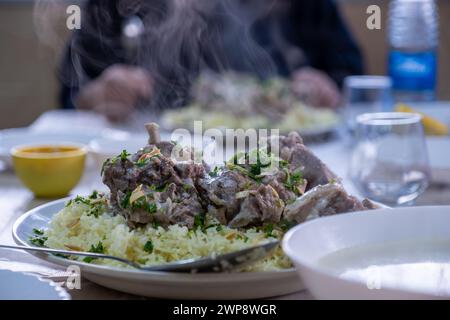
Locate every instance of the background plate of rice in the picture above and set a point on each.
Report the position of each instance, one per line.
(267, 279)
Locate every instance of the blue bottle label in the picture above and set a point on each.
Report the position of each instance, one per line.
(413, 71)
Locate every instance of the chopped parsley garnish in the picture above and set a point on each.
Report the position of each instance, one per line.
(94, 195)
(297, 177)
(145, 158)
(98, 248)
(143, 162)
(283, 163)
(38, 239)
(162, 188)
(244, 171)
(215, 172)
(142, 203)
(268, 230)
(155, 225)
(124, 155)
(126, 200)
(80, 199)
(255, 169)
(294, 180)
(95, 249)
(218, 227)
(38, 232)
(199, 221)
(242, 237)
(148, 247)
(96, 209)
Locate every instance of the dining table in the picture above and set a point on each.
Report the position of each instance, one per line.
(15, 199)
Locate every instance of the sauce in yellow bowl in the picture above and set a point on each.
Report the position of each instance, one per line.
(49, 171)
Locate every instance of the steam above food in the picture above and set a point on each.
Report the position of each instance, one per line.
(153, 187)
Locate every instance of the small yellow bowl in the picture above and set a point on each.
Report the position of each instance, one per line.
(49, 171)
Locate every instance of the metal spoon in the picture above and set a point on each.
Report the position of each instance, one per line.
(220, 263)
(132, 32)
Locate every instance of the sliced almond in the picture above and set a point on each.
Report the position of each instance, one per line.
(136, 194)
(150, 154)
(301, 188)
(274, 192)
(72, 247)
(73, 223)
(244, 194)
(99, 200)
(230, 236)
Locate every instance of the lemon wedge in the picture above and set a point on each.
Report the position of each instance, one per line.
(431, 125)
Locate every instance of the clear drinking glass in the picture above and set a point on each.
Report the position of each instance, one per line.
(389, 163)
(363, 94)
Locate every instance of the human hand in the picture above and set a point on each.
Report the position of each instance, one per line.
(117, 91)
(315, 88)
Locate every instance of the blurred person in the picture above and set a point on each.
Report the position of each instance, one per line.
(305, 40)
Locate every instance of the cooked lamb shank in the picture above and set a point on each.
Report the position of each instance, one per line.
(151, 187)
(154, 186)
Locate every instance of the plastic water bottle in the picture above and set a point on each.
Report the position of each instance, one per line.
(413, 39)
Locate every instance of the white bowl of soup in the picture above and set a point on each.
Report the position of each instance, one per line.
(401, 253)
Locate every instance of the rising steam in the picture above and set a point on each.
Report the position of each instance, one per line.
(180, 38)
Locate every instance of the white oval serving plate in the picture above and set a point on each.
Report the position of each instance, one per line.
(250, 285)
(309, 243)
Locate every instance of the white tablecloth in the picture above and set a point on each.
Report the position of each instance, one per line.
(15, 199)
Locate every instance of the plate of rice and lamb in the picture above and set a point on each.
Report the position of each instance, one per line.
(160, 210)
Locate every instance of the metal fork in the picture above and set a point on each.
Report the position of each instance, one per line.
(219, 263)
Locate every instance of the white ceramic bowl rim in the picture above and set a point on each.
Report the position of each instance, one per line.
(322, 271)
